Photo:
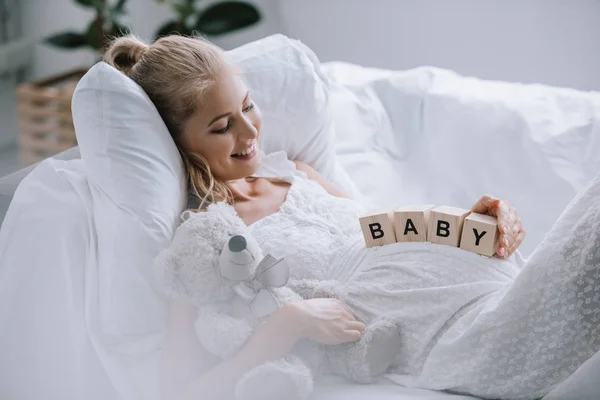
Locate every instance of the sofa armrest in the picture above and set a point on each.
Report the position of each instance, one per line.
(9, 183)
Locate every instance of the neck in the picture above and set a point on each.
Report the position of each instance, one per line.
(241, 189)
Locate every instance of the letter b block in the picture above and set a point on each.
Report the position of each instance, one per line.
(377, 229)
(480, 234)
(446, 224)
(411, 223)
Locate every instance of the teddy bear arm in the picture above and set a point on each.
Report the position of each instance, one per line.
(220, 333)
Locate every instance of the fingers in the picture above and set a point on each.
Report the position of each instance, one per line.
(518, 240)
(352, 330)
(490, 205)
(350, 336)
(514, 235)
(505, 214)
(356, 326)
(508, 225)
(346, 311)
(484, 204)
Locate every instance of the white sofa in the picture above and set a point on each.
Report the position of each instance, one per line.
(431, 136)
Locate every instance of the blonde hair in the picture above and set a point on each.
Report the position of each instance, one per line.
(176, 71)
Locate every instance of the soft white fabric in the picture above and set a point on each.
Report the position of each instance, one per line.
(137, 183)
(431, 136)
(494, 328)
(556, 125)
(334, 388)
(45, 243)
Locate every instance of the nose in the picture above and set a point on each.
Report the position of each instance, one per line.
(248, 130)
(237, 243)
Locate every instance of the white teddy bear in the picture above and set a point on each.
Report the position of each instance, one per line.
(215, 264)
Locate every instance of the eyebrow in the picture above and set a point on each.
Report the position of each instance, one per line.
(218, 117)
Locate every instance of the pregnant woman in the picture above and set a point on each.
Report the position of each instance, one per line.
(499, 327)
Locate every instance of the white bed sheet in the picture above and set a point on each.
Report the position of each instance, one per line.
(333, 388)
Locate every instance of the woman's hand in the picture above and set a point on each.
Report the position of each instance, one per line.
(509, 224)
(327, 321)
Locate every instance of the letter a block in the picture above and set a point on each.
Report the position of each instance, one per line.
(411, 223)
(377, 229)
(480, 234)
(445, 225)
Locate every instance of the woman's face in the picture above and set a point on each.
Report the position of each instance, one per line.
(226, 126)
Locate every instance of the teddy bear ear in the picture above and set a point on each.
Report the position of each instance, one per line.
(186, 215)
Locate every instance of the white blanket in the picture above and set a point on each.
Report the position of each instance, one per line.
(430, 136)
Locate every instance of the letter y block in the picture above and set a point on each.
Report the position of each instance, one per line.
(480, 234)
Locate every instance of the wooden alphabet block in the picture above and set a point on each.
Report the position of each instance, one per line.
(377, 229)
(446, 224)
(411, 223)
(480, 234)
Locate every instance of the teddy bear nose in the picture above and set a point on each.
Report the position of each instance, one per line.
(237, 243)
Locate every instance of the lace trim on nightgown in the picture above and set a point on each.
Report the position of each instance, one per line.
(278, 167)
(332, 220)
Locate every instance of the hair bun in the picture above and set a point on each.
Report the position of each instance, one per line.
(124, 52)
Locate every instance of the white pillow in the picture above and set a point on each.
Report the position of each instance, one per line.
(137, 182)
(136, 175)
(286, 81)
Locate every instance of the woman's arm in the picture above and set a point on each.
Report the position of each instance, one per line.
(191, 372)
(314, 175)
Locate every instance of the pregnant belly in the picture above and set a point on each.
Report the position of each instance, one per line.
(426, 264)
(423, 287)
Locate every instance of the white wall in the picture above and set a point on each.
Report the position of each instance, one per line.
(546, 41)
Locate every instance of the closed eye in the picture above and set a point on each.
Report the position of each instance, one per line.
(224, 130)
(250, 107)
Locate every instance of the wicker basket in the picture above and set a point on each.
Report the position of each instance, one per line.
(45, 121)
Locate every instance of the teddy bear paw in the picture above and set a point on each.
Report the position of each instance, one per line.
(367, 359)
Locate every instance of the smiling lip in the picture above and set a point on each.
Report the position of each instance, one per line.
(247, 156)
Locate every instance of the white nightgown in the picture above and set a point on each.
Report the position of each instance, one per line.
(470, 324)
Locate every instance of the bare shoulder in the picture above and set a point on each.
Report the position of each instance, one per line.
(302, 166)
(316, 176)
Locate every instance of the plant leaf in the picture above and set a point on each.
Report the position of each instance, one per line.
(226, 17)
(184, 10)
(67, 40)
(172, 27)
(99, 33)
(119, 8)
(90, 3)
(93, 33)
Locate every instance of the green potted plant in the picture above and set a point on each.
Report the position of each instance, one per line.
(106, 24)
(215, 19)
